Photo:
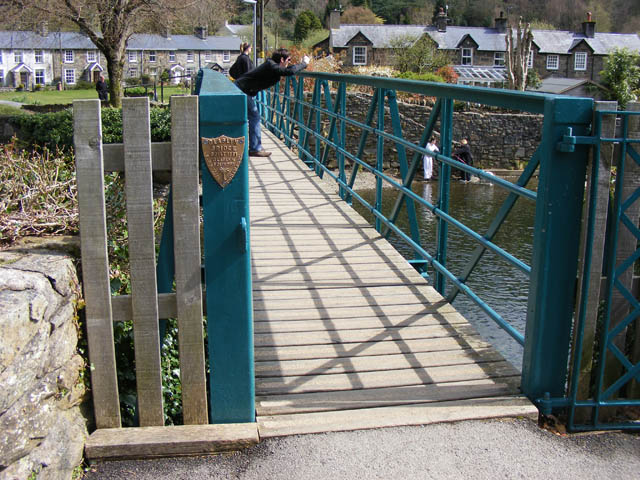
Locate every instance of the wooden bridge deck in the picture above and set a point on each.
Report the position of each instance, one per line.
(347, 334)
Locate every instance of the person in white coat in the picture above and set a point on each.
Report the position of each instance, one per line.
(428, 160)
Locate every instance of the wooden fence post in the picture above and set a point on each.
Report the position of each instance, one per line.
(136, 137)
(583, 377)
(87, 127)
(186, 235)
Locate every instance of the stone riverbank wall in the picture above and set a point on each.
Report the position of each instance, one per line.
(42, 430)
(498, 140)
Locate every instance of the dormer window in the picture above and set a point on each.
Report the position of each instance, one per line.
(467, 56)
(580, 61)
(359, 55)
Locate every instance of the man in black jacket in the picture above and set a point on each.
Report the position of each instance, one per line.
(463, 153)
(261, 78)
(102, 89)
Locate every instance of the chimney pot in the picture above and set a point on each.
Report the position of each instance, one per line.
(501, 23)
(589, 27)
(441, 20)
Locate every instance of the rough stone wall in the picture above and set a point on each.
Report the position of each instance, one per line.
(497, 140)
(41, 427)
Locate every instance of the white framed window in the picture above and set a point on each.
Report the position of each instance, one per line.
(189, 72)
(580, 61)
(132, 73)
(132, 57)
(467, 56)
(172, 57)
(0, 56)
(68, 57)
(207, 56)
(226, 56)
(17, 56)
(153, 72)
(152, 55)
(69, 76)
(530, 62)
(92, 56)
(553, 62)
(190, 56)
(39, 77)
(1, 77)
(359, 55)
(498, 59)
(38, 56)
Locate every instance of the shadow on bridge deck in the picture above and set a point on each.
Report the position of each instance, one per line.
(347, 334)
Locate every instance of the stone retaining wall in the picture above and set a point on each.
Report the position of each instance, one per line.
(498, 140)
(41, 427)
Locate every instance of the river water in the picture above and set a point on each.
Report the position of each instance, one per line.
(502, 286)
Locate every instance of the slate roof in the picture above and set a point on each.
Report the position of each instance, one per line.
(487, 39)
(148, 41)
(11, 40)
(559, 85)
(381, 36)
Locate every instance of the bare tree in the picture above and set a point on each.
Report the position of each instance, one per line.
(107, 23)
(517, 55)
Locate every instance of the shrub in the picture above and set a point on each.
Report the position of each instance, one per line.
(424, 77)
(83, 85)
(448, 73)
(55, 130)
(137, 92)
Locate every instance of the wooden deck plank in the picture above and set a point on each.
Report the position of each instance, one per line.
(288, 368)
(148, 442)
(384, 347)
(382, 397)
(347, 333)
(342, 420)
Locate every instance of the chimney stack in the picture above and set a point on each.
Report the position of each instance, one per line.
(44, 28)
(441, 20)
(589, 27)
(201, 32)
(501, 23)
(167, 32)
(334, 19)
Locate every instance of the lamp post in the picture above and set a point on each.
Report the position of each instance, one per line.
(253, 2)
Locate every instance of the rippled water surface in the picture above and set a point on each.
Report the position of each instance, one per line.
(502, 286)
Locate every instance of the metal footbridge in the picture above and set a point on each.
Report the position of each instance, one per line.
(347, 333)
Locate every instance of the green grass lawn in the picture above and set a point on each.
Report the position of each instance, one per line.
(8, 110)
(68, 96)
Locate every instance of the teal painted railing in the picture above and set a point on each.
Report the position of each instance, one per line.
(614, 389)
(316, 122)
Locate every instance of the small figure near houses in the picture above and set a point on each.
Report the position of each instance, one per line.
(463, 154)
(428, 160)
(102, 89)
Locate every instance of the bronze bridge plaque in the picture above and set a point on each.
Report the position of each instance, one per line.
(223, 156)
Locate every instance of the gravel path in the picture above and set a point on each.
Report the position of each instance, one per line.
(492, 449)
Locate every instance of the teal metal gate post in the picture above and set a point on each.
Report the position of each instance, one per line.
(223, 112)
(555, 250)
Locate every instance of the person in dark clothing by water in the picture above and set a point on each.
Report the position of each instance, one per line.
(463, 153)
(102, 89)
(261, 78)
(243, 63)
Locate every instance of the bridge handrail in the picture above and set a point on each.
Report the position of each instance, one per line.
(531, 102)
